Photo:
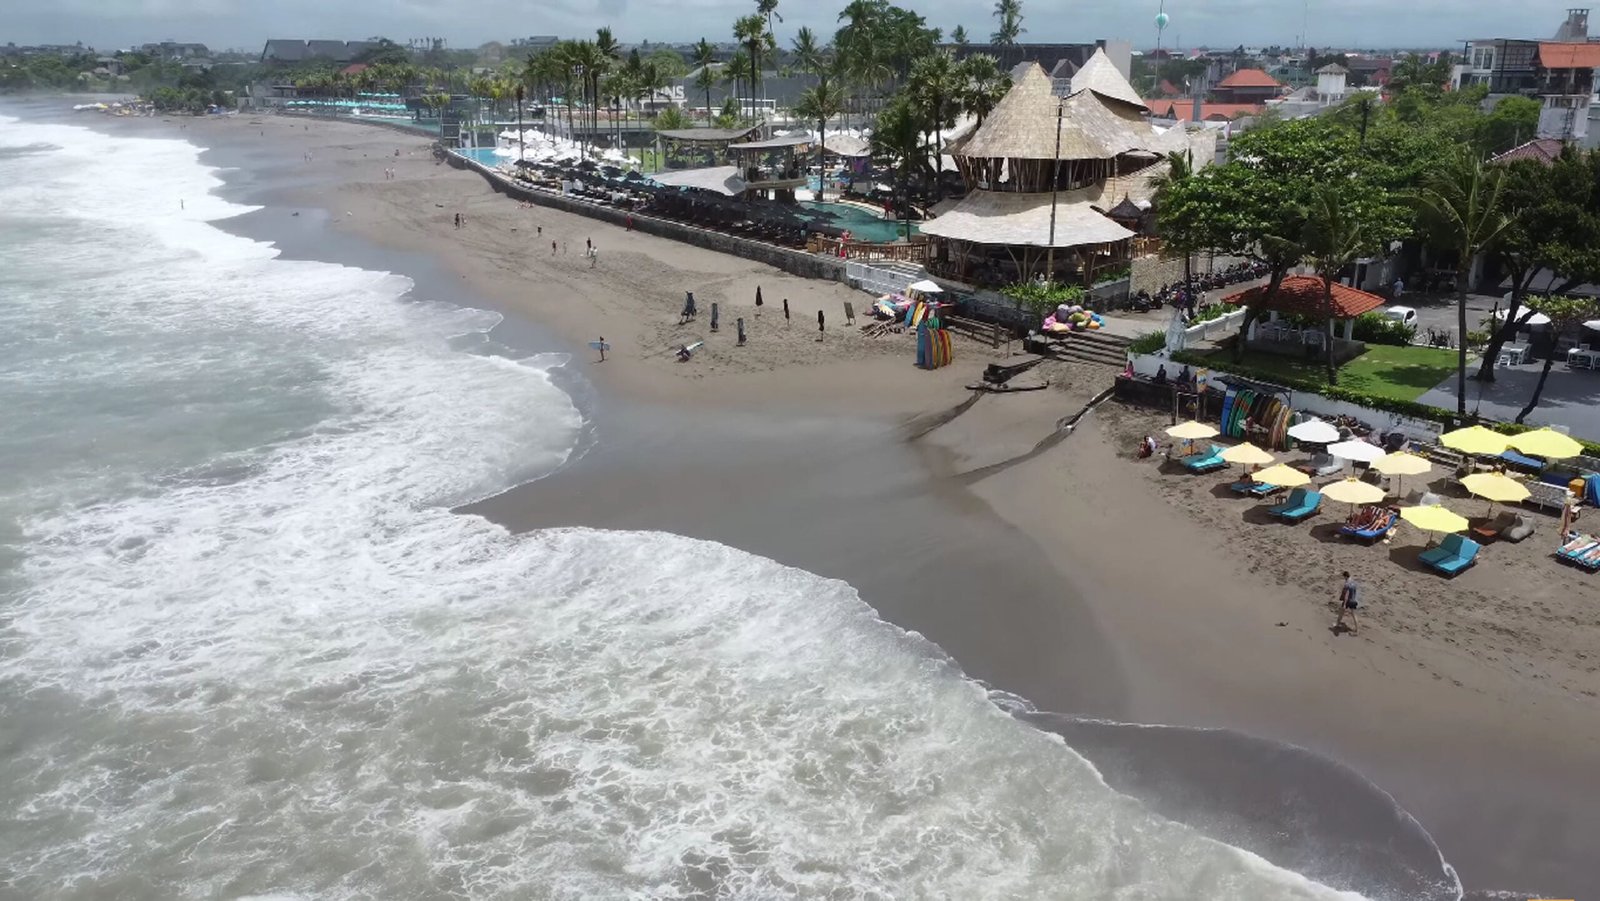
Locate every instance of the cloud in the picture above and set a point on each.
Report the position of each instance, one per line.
(235, 23)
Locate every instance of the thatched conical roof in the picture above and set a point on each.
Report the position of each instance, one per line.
(1023, 125)
(1101, 76)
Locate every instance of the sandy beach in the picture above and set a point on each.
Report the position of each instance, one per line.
(1056, 569)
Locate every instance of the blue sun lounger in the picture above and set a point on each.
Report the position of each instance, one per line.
(1584, 552)
(1205, 462)
(1453, 554)
(1301, 503)
(1371, 533)
(1255, 489)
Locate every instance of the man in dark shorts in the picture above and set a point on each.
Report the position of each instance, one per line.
(1349, 602)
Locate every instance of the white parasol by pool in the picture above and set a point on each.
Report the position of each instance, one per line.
(1314, 431)
(1357, 451)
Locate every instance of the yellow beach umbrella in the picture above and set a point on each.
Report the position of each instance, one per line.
(1247, 455)
(1476, 440)
(1283, 476)
(1496, 486)
(1192, 430)
(1433, 519)
(1547, 443)
(1402, 464)
(1353, 491)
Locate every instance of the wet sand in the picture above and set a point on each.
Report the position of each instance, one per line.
(1072, 579)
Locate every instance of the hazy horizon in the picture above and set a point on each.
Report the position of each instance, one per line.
(232, 24)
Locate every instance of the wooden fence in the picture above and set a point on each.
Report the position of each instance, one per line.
(859, 250)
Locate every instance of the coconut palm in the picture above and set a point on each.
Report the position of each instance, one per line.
(818, 104)
(1463, 211)
(751, 32)
(1335, 238)
(808, 55)
(705, 80)
(958, 36)
(897, 135)
(985, 84)
(768, 8)
(705, 56)
(1008, 13)
(736, 71)
(935, 87)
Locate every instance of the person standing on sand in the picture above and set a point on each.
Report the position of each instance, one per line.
(563, 247)
(588, 245)
(552, 248)
(594, 256)
(1349, 602)
(458, 220)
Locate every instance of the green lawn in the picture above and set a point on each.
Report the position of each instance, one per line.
(1399, 373)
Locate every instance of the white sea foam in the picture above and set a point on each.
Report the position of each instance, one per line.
(255, 655)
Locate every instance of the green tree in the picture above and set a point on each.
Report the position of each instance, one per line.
(897, 136)
(1008, 18)
(1180, 168)
(1566, 313)
(705, 56)
(958, 36)
(1464, 213)
(809, 56)
(1342, 225)
(985, 83)
(735, 71)
(818, 104)
(672, 119)
(751, 32)
(669, 63)
(1512, 121)
(936, 86)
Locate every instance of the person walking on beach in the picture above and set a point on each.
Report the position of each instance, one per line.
(552, 248)
(1349, 602)
(588, 245)
(458, 220)
(594, 256)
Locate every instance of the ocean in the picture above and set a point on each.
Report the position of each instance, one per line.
(247, 650)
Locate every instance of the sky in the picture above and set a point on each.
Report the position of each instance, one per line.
(113, 24)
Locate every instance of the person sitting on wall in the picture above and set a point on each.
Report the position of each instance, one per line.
(1161, 375)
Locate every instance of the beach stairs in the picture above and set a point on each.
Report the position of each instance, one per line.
(1096, 347)
(883, 277)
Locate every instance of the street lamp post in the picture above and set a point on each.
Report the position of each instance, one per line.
(521, 147)
(1055, 177)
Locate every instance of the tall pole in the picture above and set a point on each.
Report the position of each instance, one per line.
(521, 143)
(1055, 172)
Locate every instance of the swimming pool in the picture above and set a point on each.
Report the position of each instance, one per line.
(861, 223)
(484, 155)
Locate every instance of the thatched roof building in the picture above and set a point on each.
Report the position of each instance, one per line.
(1036, 154)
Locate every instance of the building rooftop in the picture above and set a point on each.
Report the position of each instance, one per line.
(1249, 78)
(1543, 150)
(1302, 295)
(1553, 55)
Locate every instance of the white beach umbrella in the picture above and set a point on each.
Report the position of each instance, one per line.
(1357, 451)
(1535, 319)
(1314, 431)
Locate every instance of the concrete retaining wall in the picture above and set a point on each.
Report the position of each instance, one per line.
(795, 262)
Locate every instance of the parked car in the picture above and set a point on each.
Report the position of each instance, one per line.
(1406, 316)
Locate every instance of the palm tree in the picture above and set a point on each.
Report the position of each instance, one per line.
(751, 31)
(1008, 13)
(935, 85)
(985, 84)
(958, 36)
(735, 71)
(672, 119)
(897, 134)
(1463, 211)
(768, 8)
(1335, 239)
(705, 80)
(607, 53)
(808, 56)
(819, 103)
(704, 57)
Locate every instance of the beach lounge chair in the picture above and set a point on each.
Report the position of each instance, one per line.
(1255, 489)
(1321, 465)
(1301, 503)
(1453, 555)
(1370, 528)
(1493, 528)
(1521, 527)
(1519, 462)
(1206, 462)
(1582, 551)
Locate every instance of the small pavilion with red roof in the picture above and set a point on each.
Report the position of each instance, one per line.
(1302, 296)
(1247, 86)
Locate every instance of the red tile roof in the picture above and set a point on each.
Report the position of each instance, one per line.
(1302, 295)
(1544, 150)
(354, 69)
(1183, 110)
(1565, 55)
(1249, 78)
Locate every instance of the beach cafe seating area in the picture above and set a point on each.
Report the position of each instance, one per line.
(716, 202)
(1342, 465)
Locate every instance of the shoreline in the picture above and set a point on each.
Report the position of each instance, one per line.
(1299, 691)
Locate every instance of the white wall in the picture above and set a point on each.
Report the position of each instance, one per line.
(1315, 404)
